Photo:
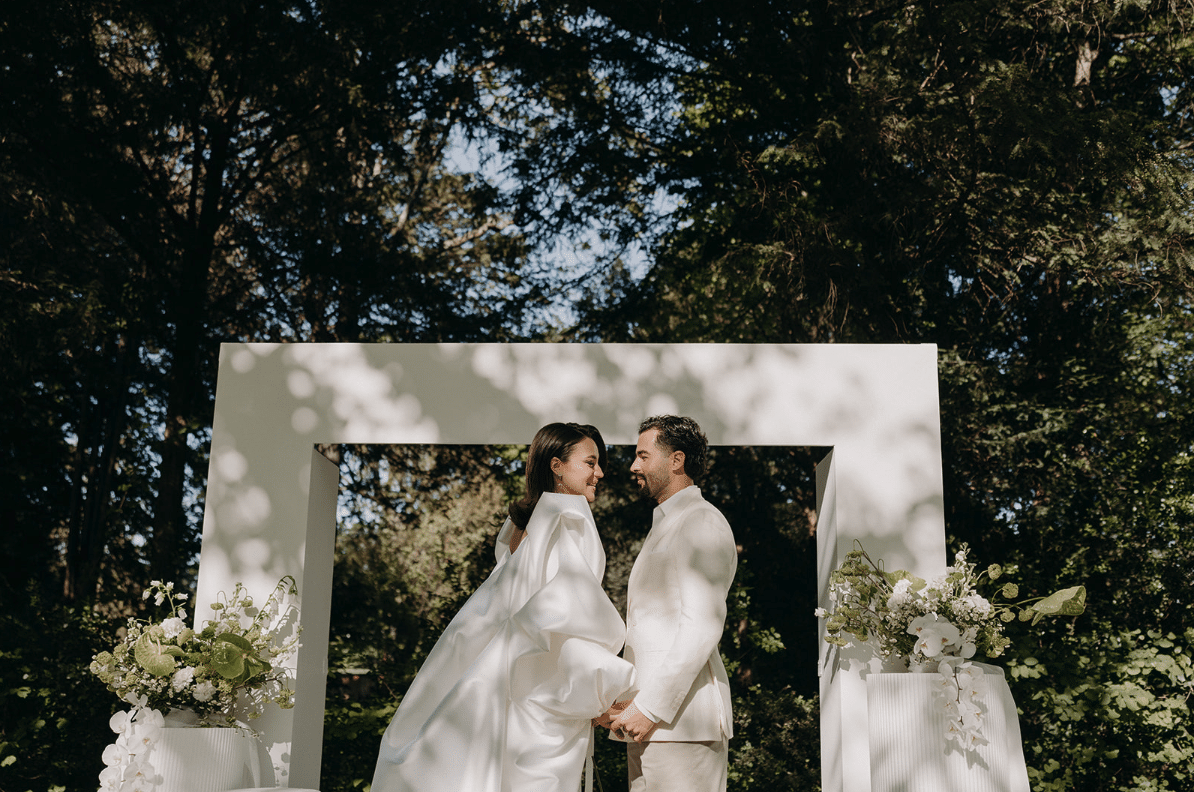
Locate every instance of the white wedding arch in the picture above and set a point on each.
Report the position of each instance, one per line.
(271, 498)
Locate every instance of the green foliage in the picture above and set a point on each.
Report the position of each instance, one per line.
(418, 541)
(777, 742)
(352, 733)
(1118, 701)
(53, 713)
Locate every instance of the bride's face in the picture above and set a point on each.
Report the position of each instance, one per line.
(579, 473)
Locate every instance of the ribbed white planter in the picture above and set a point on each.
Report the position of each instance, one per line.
(193, 759)
(909, 752)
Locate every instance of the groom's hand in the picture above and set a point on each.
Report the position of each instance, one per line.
(606, 718)
(633, 724)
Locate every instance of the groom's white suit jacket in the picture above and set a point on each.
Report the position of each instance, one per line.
(675, 614)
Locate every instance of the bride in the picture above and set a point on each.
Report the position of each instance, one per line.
(505, 699)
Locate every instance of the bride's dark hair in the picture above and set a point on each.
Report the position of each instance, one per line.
(552, 441)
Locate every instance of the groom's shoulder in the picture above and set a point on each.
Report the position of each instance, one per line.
(700, 503)
(705, 513)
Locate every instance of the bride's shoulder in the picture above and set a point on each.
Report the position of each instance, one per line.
(561, 512)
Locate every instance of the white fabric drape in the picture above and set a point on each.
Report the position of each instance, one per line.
(504, 700)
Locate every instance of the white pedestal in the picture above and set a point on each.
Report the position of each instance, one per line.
(908, 749)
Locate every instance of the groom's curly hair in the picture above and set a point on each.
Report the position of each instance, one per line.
(677, 433)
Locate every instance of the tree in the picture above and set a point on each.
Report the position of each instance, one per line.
(1010, 182)
(188, 175)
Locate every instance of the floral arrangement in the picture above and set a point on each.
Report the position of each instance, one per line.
(223, 670)
(226, 671)
(936, 624)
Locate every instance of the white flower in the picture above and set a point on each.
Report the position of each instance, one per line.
(936, 587)
(119, 722)
(975, 606)
(172, 627)
(969, 714)
(110, 777)
(820, 613)
(182, 677)
(204, 691)
(113, 755)
(901, 594)
(933, 635)
(135, 700)
(968, 676)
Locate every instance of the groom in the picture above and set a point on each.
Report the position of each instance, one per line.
(678, 724)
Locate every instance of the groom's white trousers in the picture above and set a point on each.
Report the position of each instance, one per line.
(677, 766)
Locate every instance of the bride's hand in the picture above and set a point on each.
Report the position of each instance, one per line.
(606, 718)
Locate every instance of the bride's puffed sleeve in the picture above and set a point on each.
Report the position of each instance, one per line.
(577, 672)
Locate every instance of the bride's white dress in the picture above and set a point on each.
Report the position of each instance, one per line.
(503, 702)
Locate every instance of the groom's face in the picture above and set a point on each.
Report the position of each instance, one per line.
(650, 466)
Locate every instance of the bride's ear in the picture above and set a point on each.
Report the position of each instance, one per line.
(556, 465)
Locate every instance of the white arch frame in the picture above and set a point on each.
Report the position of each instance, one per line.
(270, 507)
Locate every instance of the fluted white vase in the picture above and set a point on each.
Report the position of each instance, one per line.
(908, 748)
(195, 759)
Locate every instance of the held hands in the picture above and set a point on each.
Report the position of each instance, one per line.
(631, 723)
(606, 718)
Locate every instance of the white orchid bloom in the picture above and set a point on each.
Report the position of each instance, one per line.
(970, 715)
(119, 722)
(138, 702)
(113, 755)
(110, 777)
(933, 634)
(969, 675)
(152, 719)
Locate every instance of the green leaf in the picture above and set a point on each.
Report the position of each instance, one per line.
(1067, 602)
(153, 657)
(233, 658)
(227, 659)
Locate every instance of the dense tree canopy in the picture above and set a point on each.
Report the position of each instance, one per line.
(1008, 180)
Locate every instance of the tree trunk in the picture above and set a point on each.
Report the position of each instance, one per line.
(91, 492)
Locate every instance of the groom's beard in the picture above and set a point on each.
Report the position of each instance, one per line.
(649, 488)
